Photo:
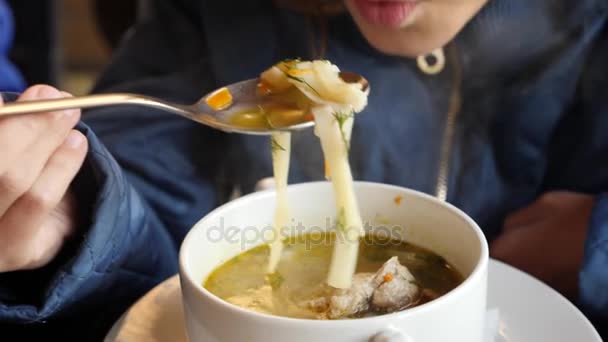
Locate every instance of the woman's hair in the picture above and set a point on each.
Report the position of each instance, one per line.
(313, 7)
(317, 12)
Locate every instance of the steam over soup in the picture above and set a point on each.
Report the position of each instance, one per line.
(298, 287)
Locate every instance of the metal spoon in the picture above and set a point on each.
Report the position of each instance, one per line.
(245, 96)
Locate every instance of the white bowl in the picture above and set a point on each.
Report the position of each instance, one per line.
(418, 218)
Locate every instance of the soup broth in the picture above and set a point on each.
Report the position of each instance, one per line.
(301, 274)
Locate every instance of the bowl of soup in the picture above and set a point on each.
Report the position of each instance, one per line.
(228, 294)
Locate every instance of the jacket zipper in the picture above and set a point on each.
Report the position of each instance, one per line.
(455, 103)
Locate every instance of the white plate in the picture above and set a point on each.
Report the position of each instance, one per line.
(528, 311)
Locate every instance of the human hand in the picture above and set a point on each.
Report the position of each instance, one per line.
(547, 239)
(41, 154)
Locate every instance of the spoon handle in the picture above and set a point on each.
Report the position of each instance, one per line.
(89, 101)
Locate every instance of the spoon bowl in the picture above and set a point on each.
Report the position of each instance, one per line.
(244, 96)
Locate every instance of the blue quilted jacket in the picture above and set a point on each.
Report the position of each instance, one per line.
(532, 77)
(10, 79)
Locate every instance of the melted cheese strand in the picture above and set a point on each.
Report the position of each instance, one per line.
(349, 226)
(281, 147)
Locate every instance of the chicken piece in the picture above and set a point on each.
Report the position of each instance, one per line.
(317, 304)
(391, 288)
(318, 300)
(397, 288)
(354, 300)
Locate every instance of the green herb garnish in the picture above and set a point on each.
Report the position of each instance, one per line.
(301, 80)
(341, 119)
(265, 115)
(275, 146)
(275, 280)
(290, 64)
(287, 61)
(341, 222)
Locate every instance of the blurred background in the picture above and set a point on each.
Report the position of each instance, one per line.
(67, 43)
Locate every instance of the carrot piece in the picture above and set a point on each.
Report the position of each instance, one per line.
(388, 277)
(220, 99)
(298, 72)
(309, 117)
(264, 89)
(398, 199)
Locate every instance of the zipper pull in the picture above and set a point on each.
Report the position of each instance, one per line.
(432, 63)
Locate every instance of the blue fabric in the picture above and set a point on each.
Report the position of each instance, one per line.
(593, 279)
(123, 251)
(534, 118)
(10, 78)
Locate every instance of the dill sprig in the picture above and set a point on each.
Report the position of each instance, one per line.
(341, 118)
(266, 117)
(288, 61)
(275, 146)
(275, 280)
(290, 64)
(301, 80)
(341, 221)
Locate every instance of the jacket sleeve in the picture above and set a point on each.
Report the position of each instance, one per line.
(594, 273)
(579, 162)
(176, 165)
(148, 177)
(594, 166)
(122, 250)
(10, 78)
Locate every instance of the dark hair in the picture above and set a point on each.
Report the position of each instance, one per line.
(313, 7)
(317, 12)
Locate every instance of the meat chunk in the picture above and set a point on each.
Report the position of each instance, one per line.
(391, 288)
(316, 304)
(397, 288)
(354, 300)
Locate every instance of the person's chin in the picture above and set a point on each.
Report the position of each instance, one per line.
(402, 43)
(419, 32)
(405, 39)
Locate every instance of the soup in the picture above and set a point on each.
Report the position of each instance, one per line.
(298, 287)
(314, 90)
(269, 116)
(323, 276)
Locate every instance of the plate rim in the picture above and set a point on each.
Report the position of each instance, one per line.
(545, 287)
(494, 265)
